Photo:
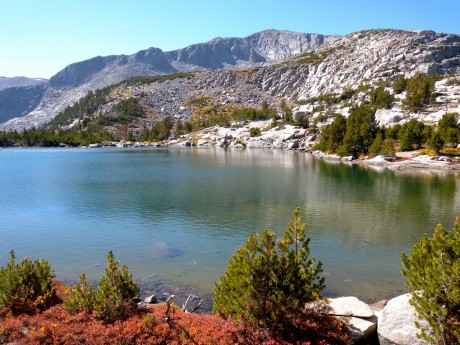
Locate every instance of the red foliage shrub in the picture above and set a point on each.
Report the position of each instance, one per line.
(57, 326)
(149, 326)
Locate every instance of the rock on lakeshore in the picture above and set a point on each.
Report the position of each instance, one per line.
(360, 318)
(394, 325)
(397, 323)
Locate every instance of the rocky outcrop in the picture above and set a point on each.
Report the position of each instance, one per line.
(396, 326)
(287, 137)
(261, 47)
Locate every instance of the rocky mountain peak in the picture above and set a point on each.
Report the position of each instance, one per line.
(290, 65)
(277, 45)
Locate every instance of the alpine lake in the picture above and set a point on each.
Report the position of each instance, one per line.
(175, 216)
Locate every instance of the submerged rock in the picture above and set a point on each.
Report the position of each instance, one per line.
(160, 250)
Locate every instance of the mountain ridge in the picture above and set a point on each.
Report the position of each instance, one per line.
(325, 65)
(97, 72)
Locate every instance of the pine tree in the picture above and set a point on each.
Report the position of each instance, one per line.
(449, 130)
(268, 281)
(361, 130)
(115, 288)
(433, 279)
(81, 298)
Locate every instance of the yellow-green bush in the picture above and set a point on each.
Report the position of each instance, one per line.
(27, 286)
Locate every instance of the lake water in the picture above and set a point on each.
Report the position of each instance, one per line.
(175, 216)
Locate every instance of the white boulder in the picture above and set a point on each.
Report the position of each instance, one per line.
(350, 306)
(397, 323)
(387, 117)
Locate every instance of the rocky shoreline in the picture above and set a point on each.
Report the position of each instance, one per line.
(403, 162)
(293, 138)
(270, 135)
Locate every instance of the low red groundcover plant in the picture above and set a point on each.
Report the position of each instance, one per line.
(150, 326)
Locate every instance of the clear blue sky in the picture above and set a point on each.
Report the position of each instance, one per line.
(38, 38)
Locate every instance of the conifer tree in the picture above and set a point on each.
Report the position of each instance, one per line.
(27, 286)
(449, 130)
(433, 279)
(361, 130)
(81, 297)
(266, 280)
(115, 288)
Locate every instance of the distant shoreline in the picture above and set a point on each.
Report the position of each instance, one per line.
(402, 162)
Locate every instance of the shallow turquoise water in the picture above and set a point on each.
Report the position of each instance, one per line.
(177, 215)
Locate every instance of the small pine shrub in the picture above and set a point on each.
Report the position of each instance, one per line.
(267, 280)
(81, 298)
(112, 300)
(433, 279)
(26, 287)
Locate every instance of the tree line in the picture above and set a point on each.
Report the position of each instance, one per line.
(360, 135)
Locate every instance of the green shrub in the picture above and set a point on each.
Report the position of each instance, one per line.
(130, 107)
(381, 98)
(412, 134)
(433, 279)
(81, 298)
(255, 132)
(310, 58)
(320, 118)
(388, 147)
(149, 321)
(199, 101)
(377, 144)
(400, 84)
(361, 130)
(302, 121)
(268, 282)
(26, 287)
(115, 290)
(332, 135)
